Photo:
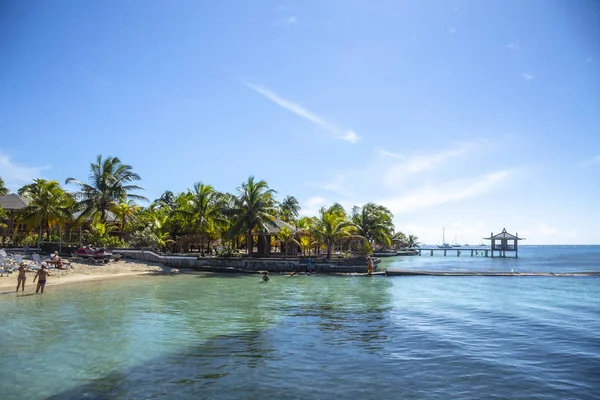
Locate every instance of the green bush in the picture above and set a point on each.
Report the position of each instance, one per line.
(145, 239)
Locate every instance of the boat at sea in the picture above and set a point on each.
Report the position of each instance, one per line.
(444, 245)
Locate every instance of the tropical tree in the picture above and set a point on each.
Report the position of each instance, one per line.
(285, 236)
(166, 200)
(413, 241)
(48, 205)
(3, 190)
(110, 183)
(290, 209)
(374, 223)
(254, 209)
(332, 226)
(125, 212)
(204, 208)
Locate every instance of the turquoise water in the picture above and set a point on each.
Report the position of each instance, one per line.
(231, 336)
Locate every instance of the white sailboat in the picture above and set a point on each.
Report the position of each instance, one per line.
(444, 245)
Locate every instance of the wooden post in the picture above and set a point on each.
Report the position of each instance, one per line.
(471, 252)
(431, 253)
(445, 253)
(457, 253)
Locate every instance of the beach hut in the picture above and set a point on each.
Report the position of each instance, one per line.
(12, 203)
(500, 243)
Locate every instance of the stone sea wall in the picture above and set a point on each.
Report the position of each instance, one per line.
(249, 264)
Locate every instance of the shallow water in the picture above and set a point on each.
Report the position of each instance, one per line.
(231, 336)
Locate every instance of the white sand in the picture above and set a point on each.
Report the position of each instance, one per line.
(79, 271)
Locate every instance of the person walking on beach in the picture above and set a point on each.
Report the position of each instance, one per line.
(42, 273)
(22, 277)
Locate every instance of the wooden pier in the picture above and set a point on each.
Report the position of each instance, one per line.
(397, 272)
(485, 252)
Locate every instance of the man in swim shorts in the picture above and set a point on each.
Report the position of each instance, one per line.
(42, 273)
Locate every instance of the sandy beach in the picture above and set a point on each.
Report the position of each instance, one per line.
(78, 272)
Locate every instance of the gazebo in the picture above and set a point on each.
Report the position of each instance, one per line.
(264, 238)
(502, 247)
(12, 203)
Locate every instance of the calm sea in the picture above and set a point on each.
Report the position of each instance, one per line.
(305, 337)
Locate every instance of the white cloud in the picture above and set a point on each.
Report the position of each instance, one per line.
(420, 163)
(527, 77)
(591, 161)
(16, 175)
(385, 153)
(429, 196)
(288, 21)
(312, 206)
(349, 135)
(513, 46)
(337, 185)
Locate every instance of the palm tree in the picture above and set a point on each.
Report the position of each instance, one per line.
(285, 236)
(413, 241)
(204, 208)
(167, 199)
(374, 223)
(48, 205)
(332, 226)
(110, 182)
(290, 209)
(124, 212)
(3, 190)
(254, 209)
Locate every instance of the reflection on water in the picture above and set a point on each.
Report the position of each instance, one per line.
(192, 337)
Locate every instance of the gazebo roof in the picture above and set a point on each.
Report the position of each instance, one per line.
(504, 235)
(110, 216)
(279, 225)
(12, 202)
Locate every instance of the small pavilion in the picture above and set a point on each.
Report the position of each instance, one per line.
(503, 246)
(12, 203)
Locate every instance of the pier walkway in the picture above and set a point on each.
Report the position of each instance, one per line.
(398, 272)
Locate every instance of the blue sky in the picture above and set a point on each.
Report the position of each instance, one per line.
(468, 115)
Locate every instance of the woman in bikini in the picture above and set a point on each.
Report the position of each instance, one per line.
(22, 277)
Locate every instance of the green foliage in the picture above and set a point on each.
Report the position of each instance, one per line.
(110, 184)
(374, 223)
(228, 251)
(30, 240)
(3, 218)
(145, 238)
(3, 190)
(100, 236)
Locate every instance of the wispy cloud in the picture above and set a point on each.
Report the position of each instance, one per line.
(453, 191)
(591, 161)
(527, 77)
(338, 185)
(514, 46)
(385, 153)
(16, 175)
(417, 164)
(348, 135)
(288, 21)
(312, 206)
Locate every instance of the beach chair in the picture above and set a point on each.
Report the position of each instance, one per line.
(38, 262)
(4, 266)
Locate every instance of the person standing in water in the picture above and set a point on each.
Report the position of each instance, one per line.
(370, 265)
(42, 273)
(265, 277)
(22, 277)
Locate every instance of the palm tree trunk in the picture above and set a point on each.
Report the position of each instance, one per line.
(249, 242)
(202, 244)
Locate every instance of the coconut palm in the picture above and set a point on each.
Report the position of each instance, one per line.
(413, 241)
(125, 212)
(204, 208)
(48, 205)
(254, 209)
(332, 226)
(374, 223)
(290, 209)
(285, 236)
(110, 183)
(3, 190)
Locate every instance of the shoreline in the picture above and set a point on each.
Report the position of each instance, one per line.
(80, 272)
